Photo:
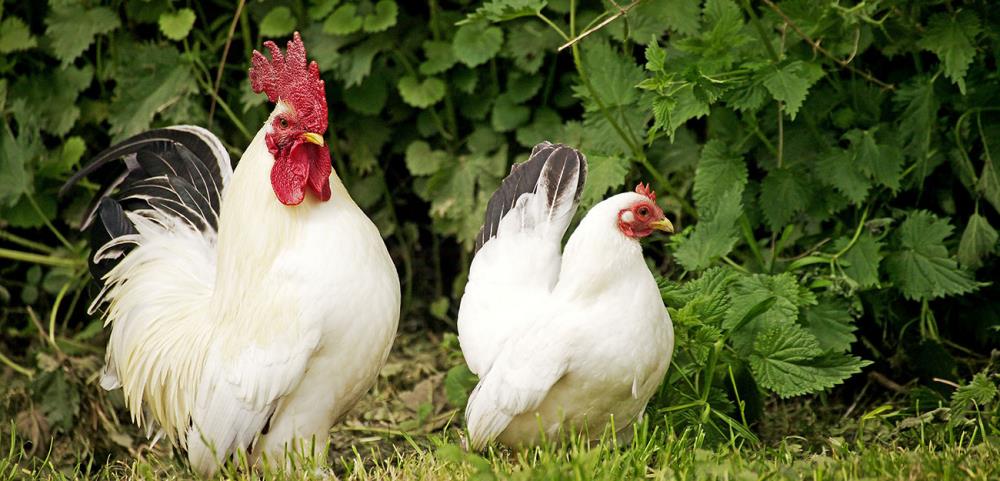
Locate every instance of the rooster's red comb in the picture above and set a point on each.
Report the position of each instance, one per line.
(646, 191)
(286, 77)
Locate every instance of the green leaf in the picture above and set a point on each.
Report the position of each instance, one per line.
(279, 22)
(783, 193)
(421, 94)
(52, 97)
(546, 125)
(458, 383)
(862, 260)
(528, 43)
(64, 160)
(440, 57)
(72, 28)
(719, 171)
(830, 321)
(670, 113)
(605, 172)
(682, 16)
(503, 10)
(750, 291)
(15, 35)
(383, 17)
(343, 21)
(177, 25)
(139, 96)
(521, 88)
(319, 9)
(952, 38)
(421, 160)
(989, 182)
(614, 76)
(978, 241)
(369, 97)
(791, 83)
(917, 120)
(715, 235)
(789, 361)
(475, 43)
(508, 115)
(655, 57)
(979, 391)
(17, 179)
(922, 268)
(841, 171)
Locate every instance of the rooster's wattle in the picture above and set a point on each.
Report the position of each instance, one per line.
(249, 309)
(561, 339)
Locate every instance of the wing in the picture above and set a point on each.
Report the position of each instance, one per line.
(516, 383)
(240, 394)
(178, 171)
(519, 249)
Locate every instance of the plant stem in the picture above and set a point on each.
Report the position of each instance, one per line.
(38, 246)
(41, 215)
(55, 311)
(17, 367)
(760, 30)
(552, 24)
(38, 258)
(222, 61)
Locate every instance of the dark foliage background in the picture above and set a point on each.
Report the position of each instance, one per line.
(829, 166)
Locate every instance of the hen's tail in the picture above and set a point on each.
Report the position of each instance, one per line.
(540, 195)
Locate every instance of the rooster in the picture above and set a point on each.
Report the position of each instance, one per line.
(249, 308)
(561, 339)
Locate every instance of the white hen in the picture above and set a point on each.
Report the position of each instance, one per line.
(561, 342)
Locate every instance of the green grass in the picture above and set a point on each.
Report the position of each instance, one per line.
(652, 455)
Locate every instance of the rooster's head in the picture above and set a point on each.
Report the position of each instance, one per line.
(297, 125)
(642, 216)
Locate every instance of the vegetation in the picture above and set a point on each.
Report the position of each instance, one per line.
(828, 163)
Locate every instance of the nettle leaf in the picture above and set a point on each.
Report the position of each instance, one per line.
(17, 179)
(527, 43)
(52, 98)
(440, 57)
(922, 268)
(604, 172)
(613, 75)
(383, 17)
(839, 169)
(546, 125)
(343, 21)
(719, 171)
(279, 22)
(862, 261)
(881, 162)
(63, 161)
(177, 25)
(421, 160)
(72, 28)
(475, 43)
(671, 113)
(952, 38)
(790, 84)
(15, 35)
(715, 235)
(783, 193)
(978, 241)
(503, 10)
(917, 120)
(749, 291)
(150, 79)
(989, 181)
(522, 88)
(655, 57)
(979, 391)
(831, 322)
(421, 94)
(790, 362)
(683, 16)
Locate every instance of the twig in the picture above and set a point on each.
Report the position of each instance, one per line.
(886, 382)
(222, 61)
(826, 53)
(621, 11)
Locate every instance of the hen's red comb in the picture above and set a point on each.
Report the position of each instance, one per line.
(646, 191)
(287, 78)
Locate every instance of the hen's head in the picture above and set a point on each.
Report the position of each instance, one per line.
(297, 125)
(640, 215)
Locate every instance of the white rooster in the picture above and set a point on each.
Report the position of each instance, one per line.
(249, 309)
(561, 342)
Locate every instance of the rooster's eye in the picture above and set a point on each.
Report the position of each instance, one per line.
(643, 211)
(282, 122)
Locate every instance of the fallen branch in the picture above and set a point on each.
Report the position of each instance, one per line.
(621, 11)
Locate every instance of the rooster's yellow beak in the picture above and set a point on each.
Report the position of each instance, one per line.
(663, 225)
(314, 138)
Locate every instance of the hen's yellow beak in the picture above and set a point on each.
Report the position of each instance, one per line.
(314, 138)
(663, 225)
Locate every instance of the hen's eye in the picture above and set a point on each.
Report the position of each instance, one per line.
(643, 211)
(282, 122)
